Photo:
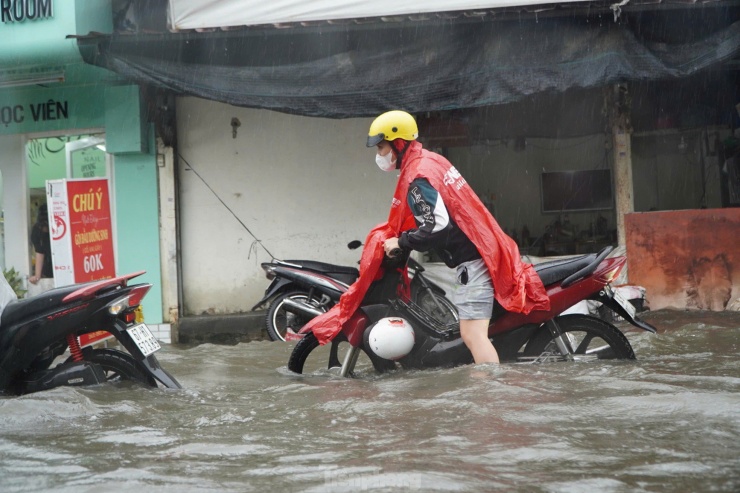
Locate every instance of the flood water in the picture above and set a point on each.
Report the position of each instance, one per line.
(668, 422)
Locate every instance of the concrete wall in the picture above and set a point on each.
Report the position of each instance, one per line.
(686, 259)
(304, 187)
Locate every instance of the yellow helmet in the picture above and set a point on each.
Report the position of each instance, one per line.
(392, 125)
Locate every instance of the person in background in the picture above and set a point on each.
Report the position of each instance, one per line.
(42, 279)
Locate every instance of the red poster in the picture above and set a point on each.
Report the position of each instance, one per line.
(91, 230)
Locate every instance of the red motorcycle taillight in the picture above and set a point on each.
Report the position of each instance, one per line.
(137, 294)
(129, 317)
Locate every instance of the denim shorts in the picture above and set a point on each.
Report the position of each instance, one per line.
(473, 292)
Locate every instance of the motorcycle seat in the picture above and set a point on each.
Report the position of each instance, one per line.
(18, 309)
(348, 275)
(557, 270)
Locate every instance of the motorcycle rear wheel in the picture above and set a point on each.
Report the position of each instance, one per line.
(118, 366)
(588, 336)
(279, 320)
(309, 344)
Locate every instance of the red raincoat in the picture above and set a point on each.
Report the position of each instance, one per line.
(517, 287)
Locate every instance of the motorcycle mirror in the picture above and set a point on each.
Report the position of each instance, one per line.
(354, 244)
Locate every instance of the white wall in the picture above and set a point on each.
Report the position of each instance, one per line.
(15, 203)
(304, 186)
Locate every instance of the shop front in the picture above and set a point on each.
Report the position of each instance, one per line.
(560, 139)
(62, 119)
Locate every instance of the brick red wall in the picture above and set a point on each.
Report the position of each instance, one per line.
(687, 259)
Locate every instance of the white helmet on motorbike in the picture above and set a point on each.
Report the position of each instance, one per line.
(391, 338)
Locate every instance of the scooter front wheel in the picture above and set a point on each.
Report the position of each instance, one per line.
(310, 357)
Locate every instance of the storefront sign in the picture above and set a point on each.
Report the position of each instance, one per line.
(81, 235)
(21, 10)
(45, 111)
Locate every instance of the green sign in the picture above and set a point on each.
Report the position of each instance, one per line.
(47, 110)
(44, 110)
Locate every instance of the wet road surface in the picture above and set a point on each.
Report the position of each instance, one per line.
(243, 422)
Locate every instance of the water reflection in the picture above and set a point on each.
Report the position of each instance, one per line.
(668, 422)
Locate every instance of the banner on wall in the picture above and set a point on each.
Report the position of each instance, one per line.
(81, 230)
(81, 235)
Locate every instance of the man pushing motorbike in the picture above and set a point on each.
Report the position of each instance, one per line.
(433, 207)
(451, 220)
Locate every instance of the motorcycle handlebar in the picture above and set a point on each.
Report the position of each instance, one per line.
(395, 253)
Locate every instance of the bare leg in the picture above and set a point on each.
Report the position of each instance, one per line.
(475, 335)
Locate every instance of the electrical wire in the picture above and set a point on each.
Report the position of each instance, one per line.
(256, 241)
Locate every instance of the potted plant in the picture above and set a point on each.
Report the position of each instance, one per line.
(15, 281)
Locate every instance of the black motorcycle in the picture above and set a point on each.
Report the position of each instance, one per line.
(303, 289)
(35, 331)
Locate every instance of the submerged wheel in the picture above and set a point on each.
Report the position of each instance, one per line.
(443, 310)
(588, 336)
(329, 356)
(118, 366)
(279, 320)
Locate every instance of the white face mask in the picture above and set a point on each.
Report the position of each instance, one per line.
(386, 163)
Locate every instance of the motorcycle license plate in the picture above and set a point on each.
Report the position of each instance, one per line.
(144, 339)
(624, 303)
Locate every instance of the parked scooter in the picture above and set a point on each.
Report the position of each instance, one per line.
(392, 330)
(302, 289)
(35, 331)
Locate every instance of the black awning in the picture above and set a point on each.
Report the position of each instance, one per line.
(352, 71)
